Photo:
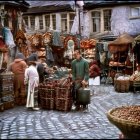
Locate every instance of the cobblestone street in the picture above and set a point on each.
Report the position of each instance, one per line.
(20, 123)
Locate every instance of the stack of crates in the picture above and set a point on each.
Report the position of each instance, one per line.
(7, 89)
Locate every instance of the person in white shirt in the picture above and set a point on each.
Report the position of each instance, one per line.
(32, 80)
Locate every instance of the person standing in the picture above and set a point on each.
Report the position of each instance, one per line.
(32, 80)
(18, 68)
(80, 75)
(94, 69)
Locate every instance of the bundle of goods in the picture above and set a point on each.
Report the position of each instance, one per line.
(63, 95)
(122, 84)
(62, 72)
(127, 120)
(7, 89)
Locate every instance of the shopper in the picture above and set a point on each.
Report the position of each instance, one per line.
(18, 68)
(80, 75)
(32, 80)
(94, 69)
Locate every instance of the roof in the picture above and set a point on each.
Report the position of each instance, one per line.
(23, 5)
(122, 39)
(103, 3)
(50, 6)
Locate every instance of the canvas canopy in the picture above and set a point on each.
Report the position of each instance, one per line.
(122, 39)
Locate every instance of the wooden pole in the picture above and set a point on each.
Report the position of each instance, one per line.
(79, 11)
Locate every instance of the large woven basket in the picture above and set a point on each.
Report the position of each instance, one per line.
(130, 129)
(47, 98)
(121, 85)
(63, 99)
(64, 104)
(8, 105)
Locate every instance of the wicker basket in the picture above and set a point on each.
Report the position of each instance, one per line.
(121, 85)
(63, 92)
(63, 99)
(129, 129)
(47, 98)
(64, 104)
(1, 107)
(6, 78)
(8, 105)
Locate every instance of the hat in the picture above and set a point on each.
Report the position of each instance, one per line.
(20, 55)
(33, 57)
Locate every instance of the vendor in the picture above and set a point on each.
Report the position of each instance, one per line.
(136, 75)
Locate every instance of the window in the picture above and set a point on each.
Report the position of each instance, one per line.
(67, 21)
(107, 23)
(96, 21)
(54, 22)
(26, 20)
(101, 20)
(63, 22)
(40, 22)
(32, 20)
(47, 21)
(135, 12)
(71, 20)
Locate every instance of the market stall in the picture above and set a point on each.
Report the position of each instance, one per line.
(121, 50)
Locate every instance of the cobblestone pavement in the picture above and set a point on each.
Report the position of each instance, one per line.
(20, 123)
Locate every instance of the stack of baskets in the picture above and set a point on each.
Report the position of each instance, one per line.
(7, 89)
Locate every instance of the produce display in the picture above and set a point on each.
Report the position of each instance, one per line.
(131, 113)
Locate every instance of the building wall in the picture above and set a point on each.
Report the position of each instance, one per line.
(121, 22)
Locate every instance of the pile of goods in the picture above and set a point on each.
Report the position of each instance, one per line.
(127, 120)
(131, 113)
